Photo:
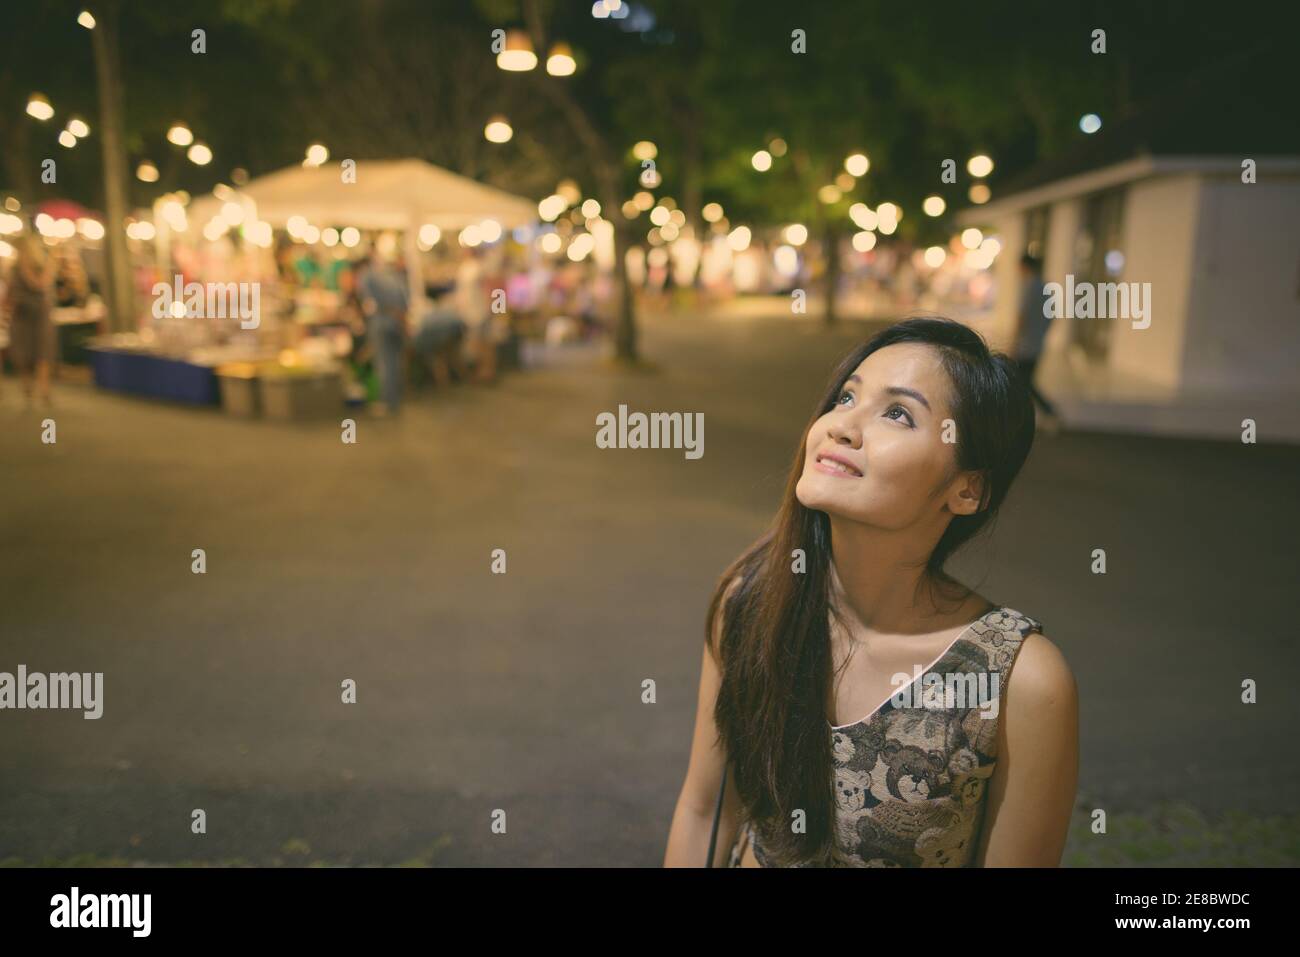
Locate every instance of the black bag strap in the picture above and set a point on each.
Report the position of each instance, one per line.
(717, 815)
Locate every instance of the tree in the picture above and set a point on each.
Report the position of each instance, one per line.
(588, 118)
(108, 75)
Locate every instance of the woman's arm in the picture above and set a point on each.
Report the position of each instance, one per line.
(1031, 795)
(688, 837)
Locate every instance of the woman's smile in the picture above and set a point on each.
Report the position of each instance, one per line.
(836, 465)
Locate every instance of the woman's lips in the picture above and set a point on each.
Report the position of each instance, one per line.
(833, 466)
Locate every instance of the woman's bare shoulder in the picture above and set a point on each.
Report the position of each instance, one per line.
(1042, 676)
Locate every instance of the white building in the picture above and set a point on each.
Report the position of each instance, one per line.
(1222, 257)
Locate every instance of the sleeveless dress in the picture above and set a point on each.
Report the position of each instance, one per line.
(911, 777)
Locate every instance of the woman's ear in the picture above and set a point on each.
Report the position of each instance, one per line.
(966, 495)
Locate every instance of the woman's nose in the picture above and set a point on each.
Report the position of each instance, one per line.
(845, 433)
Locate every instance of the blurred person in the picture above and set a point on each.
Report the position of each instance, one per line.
(27, 306)
(335, 266)
(352, 314)
(472, 303)
(385, 303)
(583, 307)
(351, 310)
(439, 275)
(656, 283)
(70, 285)
(521, 292)
(285, 270)
(604, 289)
(1032, 332)
(905, 281)
(877, 499)
(308, 268)
(438, 341)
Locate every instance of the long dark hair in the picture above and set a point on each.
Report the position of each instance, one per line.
(775, 649)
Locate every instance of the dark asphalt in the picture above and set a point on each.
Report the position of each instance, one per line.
(523, 691)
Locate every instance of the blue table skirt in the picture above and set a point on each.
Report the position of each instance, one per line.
(144, 374)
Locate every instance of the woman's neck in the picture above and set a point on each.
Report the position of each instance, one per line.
(881, 583)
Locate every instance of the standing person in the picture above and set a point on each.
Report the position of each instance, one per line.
(1034, 323)
(473, 306)
(70, 287)
(877, 500)
(352, 312)
(384, 300)
(31, 333)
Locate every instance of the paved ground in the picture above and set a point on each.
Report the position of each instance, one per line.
(522, 691)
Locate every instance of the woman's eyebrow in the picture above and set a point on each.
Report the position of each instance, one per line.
(899, 390)
(893, 390)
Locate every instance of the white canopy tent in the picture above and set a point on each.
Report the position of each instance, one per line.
(386, 194)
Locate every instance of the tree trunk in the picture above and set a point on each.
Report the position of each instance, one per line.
(607, 170)
(691, 194)
(625, 337)
(14, 133)
(121, 299)
(832, 253)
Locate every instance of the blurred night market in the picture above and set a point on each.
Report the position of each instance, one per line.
(468, 229)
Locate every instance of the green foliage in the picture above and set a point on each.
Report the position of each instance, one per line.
(710, 83)
(1180, 835)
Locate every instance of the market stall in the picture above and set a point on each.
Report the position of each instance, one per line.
(125, 365)
(289, 363)
(400, 195)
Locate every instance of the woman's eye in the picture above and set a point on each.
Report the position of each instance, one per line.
(846, 394)
(889, 414)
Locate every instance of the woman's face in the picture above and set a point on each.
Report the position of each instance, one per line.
(887, 429)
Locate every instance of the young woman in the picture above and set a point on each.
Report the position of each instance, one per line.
(826, 638)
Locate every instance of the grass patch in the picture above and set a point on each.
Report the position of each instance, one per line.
(1179, 835)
